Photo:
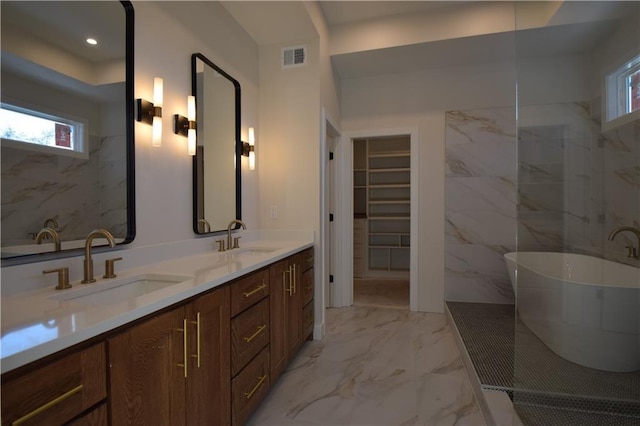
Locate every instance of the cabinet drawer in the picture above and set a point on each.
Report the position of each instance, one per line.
(307, 259)
(249, 290)
(307, 320)
(250, 387)
(307, 286)
(249, 334)
(57, 392)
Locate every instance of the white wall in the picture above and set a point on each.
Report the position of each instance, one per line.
(163, 48)
(287, 149)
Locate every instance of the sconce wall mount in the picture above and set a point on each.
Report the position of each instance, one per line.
(146, 111)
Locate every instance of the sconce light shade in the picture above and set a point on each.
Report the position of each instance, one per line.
(252, 153)
(248, 148)
(158, 88)
(186, 126)
(151, 113)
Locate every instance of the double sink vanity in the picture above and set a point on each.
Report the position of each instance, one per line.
(192, 340)
(177, 333)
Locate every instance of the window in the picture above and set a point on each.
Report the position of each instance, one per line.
(622, 88)
(39, 131)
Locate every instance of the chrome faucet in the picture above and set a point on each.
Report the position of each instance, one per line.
(88, 262)
(47, 232)
(632, 251)
(233, 222)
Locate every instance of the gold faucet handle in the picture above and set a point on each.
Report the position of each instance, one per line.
(109, 268)
(236, 242)
(220, 245)
(63, 277)
(632, 252)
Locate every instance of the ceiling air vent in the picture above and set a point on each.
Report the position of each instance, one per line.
(294, 56)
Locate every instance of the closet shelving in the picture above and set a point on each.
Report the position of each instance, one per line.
(388, 204)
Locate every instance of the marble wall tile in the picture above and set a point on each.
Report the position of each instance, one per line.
(64, 188)
(480, 206)
(571, 186)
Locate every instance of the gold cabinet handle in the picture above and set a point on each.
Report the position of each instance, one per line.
(197, 323)
(48, 405)
(255, 290)
(256, 334)
(249, 394)
(295, 284)
(284, 281)
(291, 288)
(309, 259)
(184, 342)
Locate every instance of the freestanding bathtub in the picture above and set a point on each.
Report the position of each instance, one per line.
(585, 309)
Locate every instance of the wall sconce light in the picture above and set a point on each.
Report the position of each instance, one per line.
(151, 113)
(248, 149)
(186, 126)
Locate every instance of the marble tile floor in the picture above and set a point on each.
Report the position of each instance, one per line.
(375, 366)
(381, 293)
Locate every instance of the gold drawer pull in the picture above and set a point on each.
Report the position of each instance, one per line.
(185, 346)
(48, 405)
(256, 334)
(248, 395)
(255, 290)
(309, 259)
(197, 324)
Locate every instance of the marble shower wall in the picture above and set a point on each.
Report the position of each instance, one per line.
(64, 188)
(480, 207)
(563, 187)
(615, 198)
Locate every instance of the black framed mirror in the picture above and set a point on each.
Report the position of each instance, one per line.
(216, 165)
(66, 126)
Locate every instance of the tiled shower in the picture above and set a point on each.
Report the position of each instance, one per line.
(542, 175)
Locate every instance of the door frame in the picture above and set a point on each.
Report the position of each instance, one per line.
(343, 287)
(327, 258)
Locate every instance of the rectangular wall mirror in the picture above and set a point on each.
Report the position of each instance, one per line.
(66, 125)
(216, 165)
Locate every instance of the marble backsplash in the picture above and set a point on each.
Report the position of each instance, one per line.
(563, 186)
(80, 194)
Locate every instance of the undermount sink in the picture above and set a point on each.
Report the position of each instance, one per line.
(119, 289)
(254, 251)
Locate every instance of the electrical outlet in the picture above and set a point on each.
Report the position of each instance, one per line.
(273, 212)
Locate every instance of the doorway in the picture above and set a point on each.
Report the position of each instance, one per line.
(396, 220)
(381, 221)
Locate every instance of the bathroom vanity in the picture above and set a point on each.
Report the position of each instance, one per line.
(200, 351)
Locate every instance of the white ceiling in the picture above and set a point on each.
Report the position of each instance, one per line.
(270, 22)
(343, 12)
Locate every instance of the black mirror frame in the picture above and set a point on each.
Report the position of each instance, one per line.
(238, 150)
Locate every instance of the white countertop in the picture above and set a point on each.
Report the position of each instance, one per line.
(37, 323)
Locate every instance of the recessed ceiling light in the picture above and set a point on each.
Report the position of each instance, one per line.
(92, 41)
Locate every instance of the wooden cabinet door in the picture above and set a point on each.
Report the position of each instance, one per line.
(278, 295)
(208, 393)
(147, 373)
(294, 308)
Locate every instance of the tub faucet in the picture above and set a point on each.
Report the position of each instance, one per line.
(233, 222)
(47, 232)
(633, 251)
(88, 262)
